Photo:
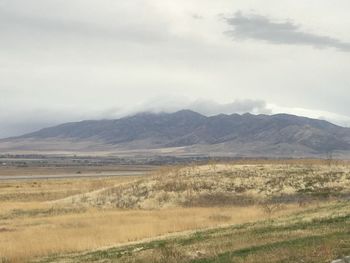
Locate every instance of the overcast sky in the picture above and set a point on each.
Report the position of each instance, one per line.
(68, 60)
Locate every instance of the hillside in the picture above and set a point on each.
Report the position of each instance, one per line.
(223, 185)
(186, 132)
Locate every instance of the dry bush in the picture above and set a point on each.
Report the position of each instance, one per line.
(271, 208)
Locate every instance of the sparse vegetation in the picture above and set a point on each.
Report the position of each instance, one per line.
(241, 212)
(227, 185)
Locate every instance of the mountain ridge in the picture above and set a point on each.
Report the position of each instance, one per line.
(193, 131)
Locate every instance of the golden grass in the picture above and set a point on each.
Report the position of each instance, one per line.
(25, 238)
(318, 234)
(27, 218)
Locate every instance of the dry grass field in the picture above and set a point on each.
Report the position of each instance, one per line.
(49, 219)
(317, 234)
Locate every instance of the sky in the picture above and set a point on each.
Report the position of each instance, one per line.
(63, 61)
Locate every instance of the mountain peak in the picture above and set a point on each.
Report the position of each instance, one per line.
(247, 134)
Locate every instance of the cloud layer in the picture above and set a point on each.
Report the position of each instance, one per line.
(259, 27)
(71, 60)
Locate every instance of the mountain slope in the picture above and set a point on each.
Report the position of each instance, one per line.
(247, 134)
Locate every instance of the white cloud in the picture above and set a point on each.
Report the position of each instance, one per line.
(335, 118)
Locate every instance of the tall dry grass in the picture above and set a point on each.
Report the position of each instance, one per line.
(26, 238)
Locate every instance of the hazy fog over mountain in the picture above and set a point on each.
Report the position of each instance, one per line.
(74, 60)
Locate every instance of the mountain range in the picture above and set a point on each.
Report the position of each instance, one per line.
(188, 132)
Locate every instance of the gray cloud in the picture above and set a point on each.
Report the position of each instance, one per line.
(261, 27)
